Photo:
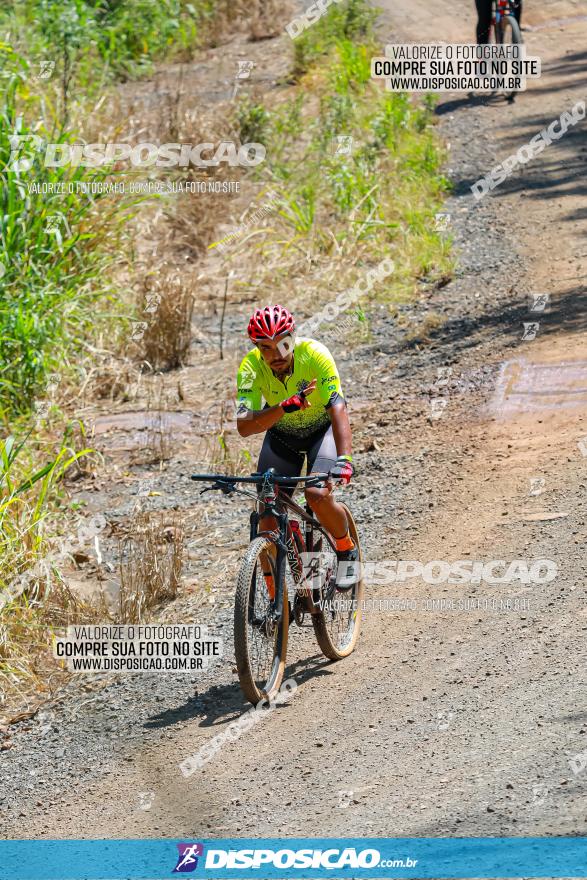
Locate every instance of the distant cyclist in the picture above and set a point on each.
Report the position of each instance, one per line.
(290, 389)
(484, 13)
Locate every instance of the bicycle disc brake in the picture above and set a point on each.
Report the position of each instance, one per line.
(299, 610)
(265, 625)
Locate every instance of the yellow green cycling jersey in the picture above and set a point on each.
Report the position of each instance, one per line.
(256, 382)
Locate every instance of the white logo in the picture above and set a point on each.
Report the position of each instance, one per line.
(539, 793)
(244, 69)
(345, 799)
(17, 143)
(539, 301)
(443, 375)
(530, 330)
(442, 220)
(146, 799)
(311, 15)
(537, 485)
(152, 303)
(46, 69)
(146, 155)
(343, 145)
(345, 299)
(443, 720)
(578, 762)
(45, 717)
(143, 155)
(138, 331)
(529, 151)
(437, 407)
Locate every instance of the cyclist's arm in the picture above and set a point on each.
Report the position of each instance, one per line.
(251, 418)
(330, 391)
(250, 422)
(341, 428)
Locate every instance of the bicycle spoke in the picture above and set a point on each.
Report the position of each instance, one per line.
(261, 631)
(339, 619)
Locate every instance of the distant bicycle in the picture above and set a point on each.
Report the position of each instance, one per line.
(504, 29)
(304, 557)
(504, 24)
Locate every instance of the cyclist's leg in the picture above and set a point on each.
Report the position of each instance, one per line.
(484, 9)
(517, 5)
(285, 462)
(321, 458)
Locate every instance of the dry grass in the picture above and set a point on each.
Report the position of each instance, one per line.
(420, 334)
(151, 562)
(261, 19)
(220, 456)
(109, 378)
(27, 665)
(167, 305)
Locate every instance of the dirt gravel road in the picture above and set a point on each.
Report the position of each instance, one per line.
(443, 722)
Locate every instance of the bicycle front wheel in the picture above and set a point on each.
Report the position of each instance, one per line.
(507, 31)
(260, 643)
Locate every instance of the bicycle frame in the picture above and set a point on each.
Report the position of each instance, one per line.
(276, 504)
(260, 611)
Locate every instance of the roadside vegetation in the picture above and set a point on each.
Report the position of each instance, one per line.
(355, 175)
(358, 173)
(94, 42)
(65, 255)
(33, 596)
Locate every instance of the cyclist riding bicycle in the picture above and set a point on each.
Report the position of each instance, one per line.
(304, 416)
(484, 13)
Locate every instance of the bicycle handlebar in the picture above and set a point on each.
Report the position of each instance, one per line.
(259, 478)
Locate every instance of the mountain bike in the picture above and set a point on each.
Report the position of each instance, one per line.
(504, 24)
(504, 29)
(286, 574)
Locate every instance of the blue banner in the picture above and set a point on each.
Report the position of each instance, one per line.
(374, 857)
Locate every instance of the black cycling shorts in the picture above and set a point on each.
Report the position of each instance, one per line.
(319, 452)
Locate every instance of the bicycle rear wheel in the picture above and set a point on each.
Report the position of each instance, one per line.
(260, 644)
(337, 625)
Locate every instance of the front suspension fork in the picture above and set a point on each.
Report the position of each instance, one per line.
(280, 567)
(277, 604)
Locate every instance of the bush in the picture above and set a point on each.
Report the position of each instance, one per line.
(56, 243)
(123, 36)
(352, 21)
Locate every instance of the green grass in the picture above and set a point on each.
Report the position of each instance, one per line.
(54, 248)
(352, 22)
(57, 248)
(93, 41)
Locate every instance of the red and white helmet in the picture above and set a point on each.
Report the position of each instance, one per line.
(270, 322)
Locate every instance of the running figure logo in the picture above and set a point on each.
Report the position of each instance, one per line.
(188, 857)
